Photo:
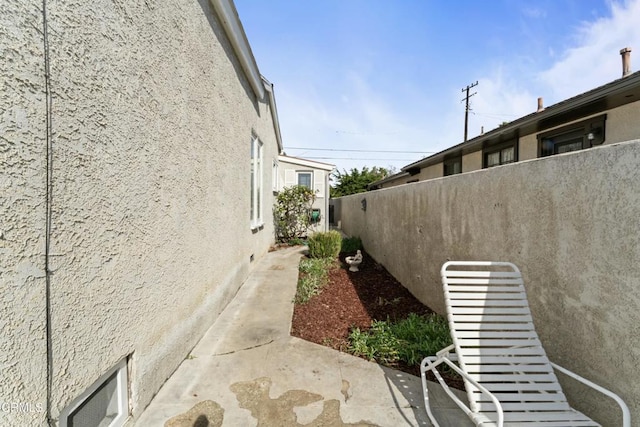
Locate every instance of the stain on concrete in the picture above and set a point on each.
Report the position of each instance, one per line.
(276, 267)
(345, 390)
(254, 396)
(204, 414)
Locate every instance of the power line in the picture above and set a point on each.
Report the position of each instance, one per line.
(360, 151)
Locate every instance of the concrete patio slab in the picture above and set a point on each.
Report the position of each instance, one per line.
(248, 371)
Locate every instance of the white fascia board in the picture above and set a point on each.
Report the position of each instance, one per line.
(233, 27)
(274, 112)
(306, 163)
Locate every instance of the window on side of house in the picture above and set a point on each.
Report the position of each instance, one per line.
(574, 137)
(275, 179)
(500, 154)
(104, 403)
(305, 178)
(452, 166)
(256, 182)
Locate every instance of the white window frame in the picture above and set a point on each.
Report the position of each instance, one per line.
(275, 178)
(305, 172)
(122, 394)
(257, 200)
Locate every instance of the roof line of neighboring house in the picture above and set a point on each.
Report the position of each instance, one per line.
(534, 118)
(305, 162)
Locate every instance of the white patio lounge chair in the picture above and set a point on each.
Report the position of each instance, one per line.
(508, 378)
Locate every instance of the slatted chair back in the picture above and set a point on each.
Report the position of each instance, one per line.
(498, 347)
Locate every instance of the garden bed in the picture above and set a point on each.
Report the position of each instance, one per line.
(354, 300)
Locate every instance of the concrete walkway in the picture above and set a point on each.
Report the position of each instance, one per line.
(248, 371)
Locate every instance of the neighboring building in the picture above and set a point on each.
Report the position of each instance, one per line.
(136, 147)
(605, 115)
(314, 175)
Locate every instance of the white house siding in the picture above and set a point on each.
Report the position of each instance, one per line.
(152, 119)
(289, 167)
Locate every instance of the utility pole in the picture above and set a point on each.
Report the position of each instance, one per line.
(466, 109)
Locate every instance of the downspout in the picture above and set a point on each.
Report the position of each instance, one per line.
(49, 212)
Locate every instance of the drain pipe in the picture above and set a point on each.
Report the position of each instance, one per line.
(49, 212)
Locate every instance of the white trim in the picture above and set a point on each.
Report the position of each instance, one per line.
(233, 28)
(257, 166)
(274, 111)
(275, 176)
(305, 172)
(122, 393)
(306, 163)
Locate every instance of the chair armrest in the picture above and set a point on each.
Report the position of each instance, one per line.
(626, 417)
(480, 387)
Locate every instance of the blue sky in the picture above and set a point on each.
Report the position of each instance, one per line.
(388, 75)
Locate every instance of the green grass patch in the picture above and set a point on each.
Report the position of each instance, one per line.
(408, 340)
(313, 276)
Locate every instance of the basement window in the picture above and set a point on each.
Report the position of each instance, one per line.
(104, 404)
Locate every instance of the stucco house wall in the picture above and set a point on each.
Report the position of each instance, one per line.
(288, 169)
(151, 119)
(23, 183)
(570, 222)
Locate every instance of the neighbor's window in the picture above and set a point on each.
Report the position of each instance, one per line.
(304, 179)
(256, 182)
(453, 166)
(500, 154)
(574, 137)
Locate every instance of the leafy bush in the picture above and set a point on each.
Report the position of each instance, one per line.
(313, 276)
(351, 244)
(408, 340)
(325, 244)
(291, 213)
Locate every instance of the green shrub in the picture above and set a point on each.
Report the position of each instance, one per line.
(351, 244)
(291, 213)
(409, 340)
(325, 244)
(313, 276)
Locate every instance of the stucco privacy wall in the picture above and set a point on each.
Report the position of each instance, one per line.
(570, 222)
(152, 119)
(22, 212)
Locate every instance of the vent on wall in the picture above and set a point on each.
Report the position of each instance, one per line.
(104, 404)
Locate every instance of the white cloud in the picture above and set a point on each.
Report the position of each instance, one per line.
(594, 59)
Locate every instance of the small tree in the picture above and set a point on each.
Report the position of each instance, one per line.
(291, 212)
(356, 181)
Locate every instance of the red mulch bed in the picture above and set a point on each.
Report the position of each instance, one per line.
(355, 299)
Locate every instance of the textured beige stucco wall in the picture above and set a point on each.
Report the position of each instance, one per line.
(623, 123)
(430, 172)
(472, 161)
(570, 222)
(152, 120)
(528, 148)
(23, 357)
